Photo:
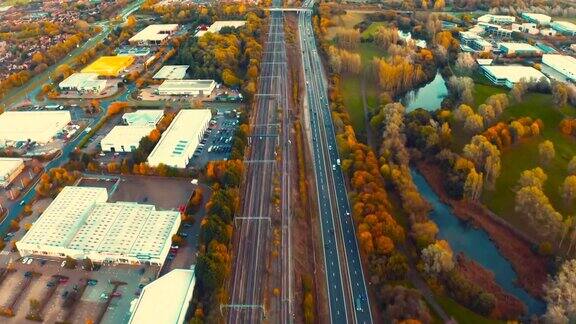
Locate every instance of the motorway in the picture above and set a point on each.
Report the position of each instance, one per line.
(253, 225)
(347, 293)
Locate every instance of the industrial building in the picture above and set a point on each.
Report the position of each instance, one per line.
(109, 66)
(186, 87)
(124, 138)
(180, 140)
(145, 117)
(520, 49)
(529, 28)
(471, 42)
(83, 83)
(507, 75)
(540, 19)
(153, 34)
(564, 27)
(496, 19)
(33, 126)
(170, 293)
(563, 64)
(80, 224)
(10, 168)
(218, 25)
(171, 72)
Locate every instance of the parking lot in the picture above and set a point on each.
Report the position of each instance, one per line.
(60, 294)
(217, 141)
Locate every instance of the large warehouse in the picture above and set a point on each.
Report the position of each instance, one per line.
(171, 72)
(171, 293)
(36, 126)
(124, 138)
(563, 64)
(153, 34)
(109, 66)
(145, 117)
(179, 141)
(507, 75)
(10, 168)
(83, 83)
(80, 224)
(186, 87)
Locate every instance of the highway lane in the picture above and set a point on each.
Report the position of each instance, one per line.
(253, 224)
(328, 166)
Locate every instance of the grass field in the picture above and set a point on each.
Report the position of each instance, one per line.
(372, 29)
(349, 20)
(462, 314)
(524, 156)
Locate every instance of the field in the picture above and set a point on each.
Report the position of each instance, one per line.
(372, 29)
(349, 20)
(524, 156)
(462, 314)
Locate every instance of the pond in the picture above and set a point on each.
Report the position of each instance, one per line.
(475, 244)
(429, 96)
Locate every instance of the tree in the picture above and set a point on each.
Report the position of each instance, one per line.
(465, 63)
(572, 166)
(487, 112)
(473, 185)
(559, 295)
(534, 177)
(438, 257)
(559, 94)
(534, 204)
(424, 232)
(474, 124)
(519, 90)
(462, 113)
(546, 152)
(568, 189)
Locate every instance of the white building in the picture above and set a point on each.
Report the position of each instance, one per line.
(36, 126)
(540, 19)
(186, 87)
(83, 83)
(179, 141)
(529, 28)
(218, 25)
(165, 300)
(171, 72)
(522, 49)
(507, 75)
(124, 138)
(563, 64)
(548, 32)
(471, 42)
(496, 19)
(564, 27)
(10, 168)
(80, 224)
(144, 117)
(153, 34)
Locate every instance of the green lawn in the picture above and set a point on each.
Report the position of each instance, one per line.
(372, 29)
(524, 156)
(483, 91)
(462, 314)
(368, 51)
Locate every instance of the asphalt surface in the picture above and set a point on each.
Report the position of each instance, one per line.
(253, 225)
(347, 293)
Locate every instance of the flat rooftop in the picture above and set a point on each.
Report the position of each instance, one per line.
(205, 85)
(110, 66)
(8, 166)
(522, 47)
(33, 125)
(80, 219)
(144, 117)
(77, 79)
(513, 73)
(156, 33)
(170, 293)
(218, 25)
(123, 134)
(172, 72)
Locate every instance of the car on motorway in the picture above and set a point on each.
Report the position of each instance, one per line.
(22, 203)
(359, 304)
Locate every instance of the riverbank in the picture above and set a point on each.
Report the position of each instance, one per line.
(529, 266)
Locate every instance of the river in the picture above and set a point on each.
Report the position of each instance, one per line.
(475, 244)
(429, 96)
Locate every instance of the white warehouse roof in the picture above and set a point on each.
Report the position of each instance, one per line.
(186, 87)
(144, 117)
(124, 138)
(38, 126)
(154, 33)
(509, 74)
(8, 166)
(218, 25)
(80, 223)
(166, 299)
(179, 141)
(540, 18)
(519, 47)
(564, 64)
(172, 72)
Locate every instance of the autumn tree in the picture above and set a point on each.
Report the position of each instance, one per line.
(438, 258)
(534, 177)
(572, 166)
(535, 206)
(486, 158)
(473, 185)
(465, 63)
(559, 94)
(559, 295)
(568, 189)
(546, 152)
